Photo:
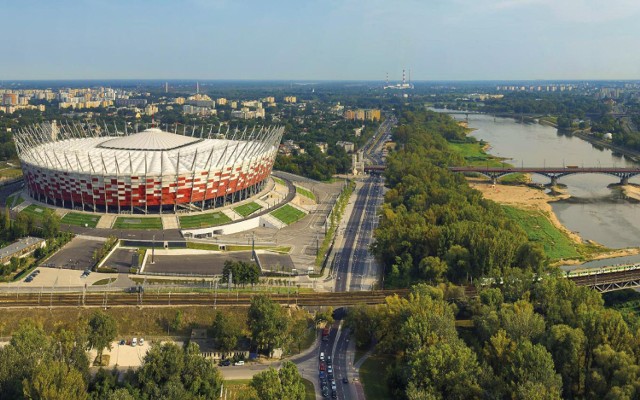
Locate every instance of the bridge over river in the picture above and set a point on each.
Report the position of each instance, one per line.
(553, 173)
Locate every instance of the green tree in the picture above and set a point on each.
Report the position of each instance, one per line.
(55, 380)
(225, 331)
(50, 225)
(101, 332)
(268, 323)
(283, 384)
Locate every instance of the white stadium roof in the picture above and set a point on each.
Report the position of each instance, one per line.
(150, 152)
(150, 139)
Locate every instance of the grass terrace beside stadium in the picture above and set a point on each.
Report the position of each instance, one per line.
(80, 219)
(137, 223)
(203, 220)
(305, 193)
(36, 211)
(288, 214)
(247, 209)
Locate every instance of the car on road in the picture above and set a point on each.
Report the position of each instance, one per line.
(329, 360)
(333, 385)
(345, 379)
(224, 363)
(325, 391)
(322, 356)
(239, 363)
(329, 370)
(323, 375)
(334, 394)
(322, 366)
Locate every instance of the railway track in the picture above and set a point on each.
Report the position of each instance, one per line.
(191, 299)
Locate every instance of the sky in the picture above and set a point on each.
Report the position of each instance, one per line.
(320, 39)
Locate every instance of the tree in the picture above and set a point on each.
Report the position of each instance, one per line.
(169, 371)
(50, 225)
(269, 324)
(102, 331)
(225, 331)
(55, 380)
(283, 384)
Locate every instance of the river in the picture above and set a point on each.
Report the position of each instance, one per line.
(594, 211)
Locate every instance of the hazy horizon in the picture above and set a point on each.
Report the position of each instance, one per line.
(351, 40)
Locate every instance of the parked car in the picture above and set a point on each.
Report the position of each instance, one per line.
(329, 370)
(323, 375)
(224, 363)
(122, 342)
(239, 363)
(134, 341)
(29, 278)
(141, 342)
(322, 366)
(333, 385)
(322, 356)
(325, 391)
(329, 360)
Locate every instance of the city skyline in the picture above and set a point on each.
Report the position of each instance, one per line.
(350, 40)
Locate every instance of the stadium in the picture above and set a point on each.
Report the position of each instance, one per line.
(153, 171)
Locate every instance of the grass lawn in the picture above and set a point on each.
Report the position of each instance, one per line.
(203, 220)
(474, 155)
(36, 211)
(373, 375)
(103, 282)
(539, 229)
(202, 246)
(137, 223)
(279, 181)
(10, 173)
(80, 219)
(247, 209)
(309, 390)
(288, 214)
(306, 193)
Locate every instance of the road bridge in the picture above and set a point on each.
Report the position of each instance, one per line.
(553, 173)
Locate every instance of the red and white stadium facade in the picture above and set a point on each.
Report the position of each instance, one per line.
(145, 172)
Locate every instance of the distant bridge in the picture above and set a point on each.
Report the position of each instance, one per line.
(608, 279)
(553, 173)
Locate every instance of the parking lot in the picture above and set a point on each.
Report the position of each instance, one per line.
(77, 254)
(121, 259)
(193, 264)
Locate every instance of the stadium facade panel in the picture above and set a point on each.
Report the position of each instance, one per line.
(145, 172)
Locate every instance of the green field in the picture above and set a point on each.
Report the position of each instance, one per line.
(36, 211)
(373, 375)
(556, 243)
(306, 193)
(10, 173)
(247, 209)
(203, 220)
(137, 223)
(288, 214)
(80, 219)
(279, 181)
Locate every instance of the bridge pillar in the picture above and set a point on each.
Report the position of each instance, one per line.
(624, 180)
(554, 181)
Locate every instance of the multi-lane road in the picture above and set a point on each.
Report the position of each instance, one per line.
(354, 269)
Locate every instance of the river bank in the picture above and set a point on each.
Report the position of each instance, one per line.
(537, 201)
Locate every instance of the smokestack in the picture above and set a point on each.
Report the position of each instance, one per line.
(166, 87)
(197, 87)
(403, 77)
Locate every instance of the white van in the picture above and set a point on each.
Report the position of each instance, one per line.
(134, 342)
(322, 356)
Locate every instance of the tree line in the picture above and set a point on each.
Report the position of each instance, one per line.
(433, 226)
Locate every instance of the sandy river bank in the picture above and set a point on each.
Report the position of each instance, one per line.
(534, 199)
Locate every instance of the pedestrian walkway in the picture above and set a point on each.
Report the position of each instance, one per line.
(170, 221)
(106, 222)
